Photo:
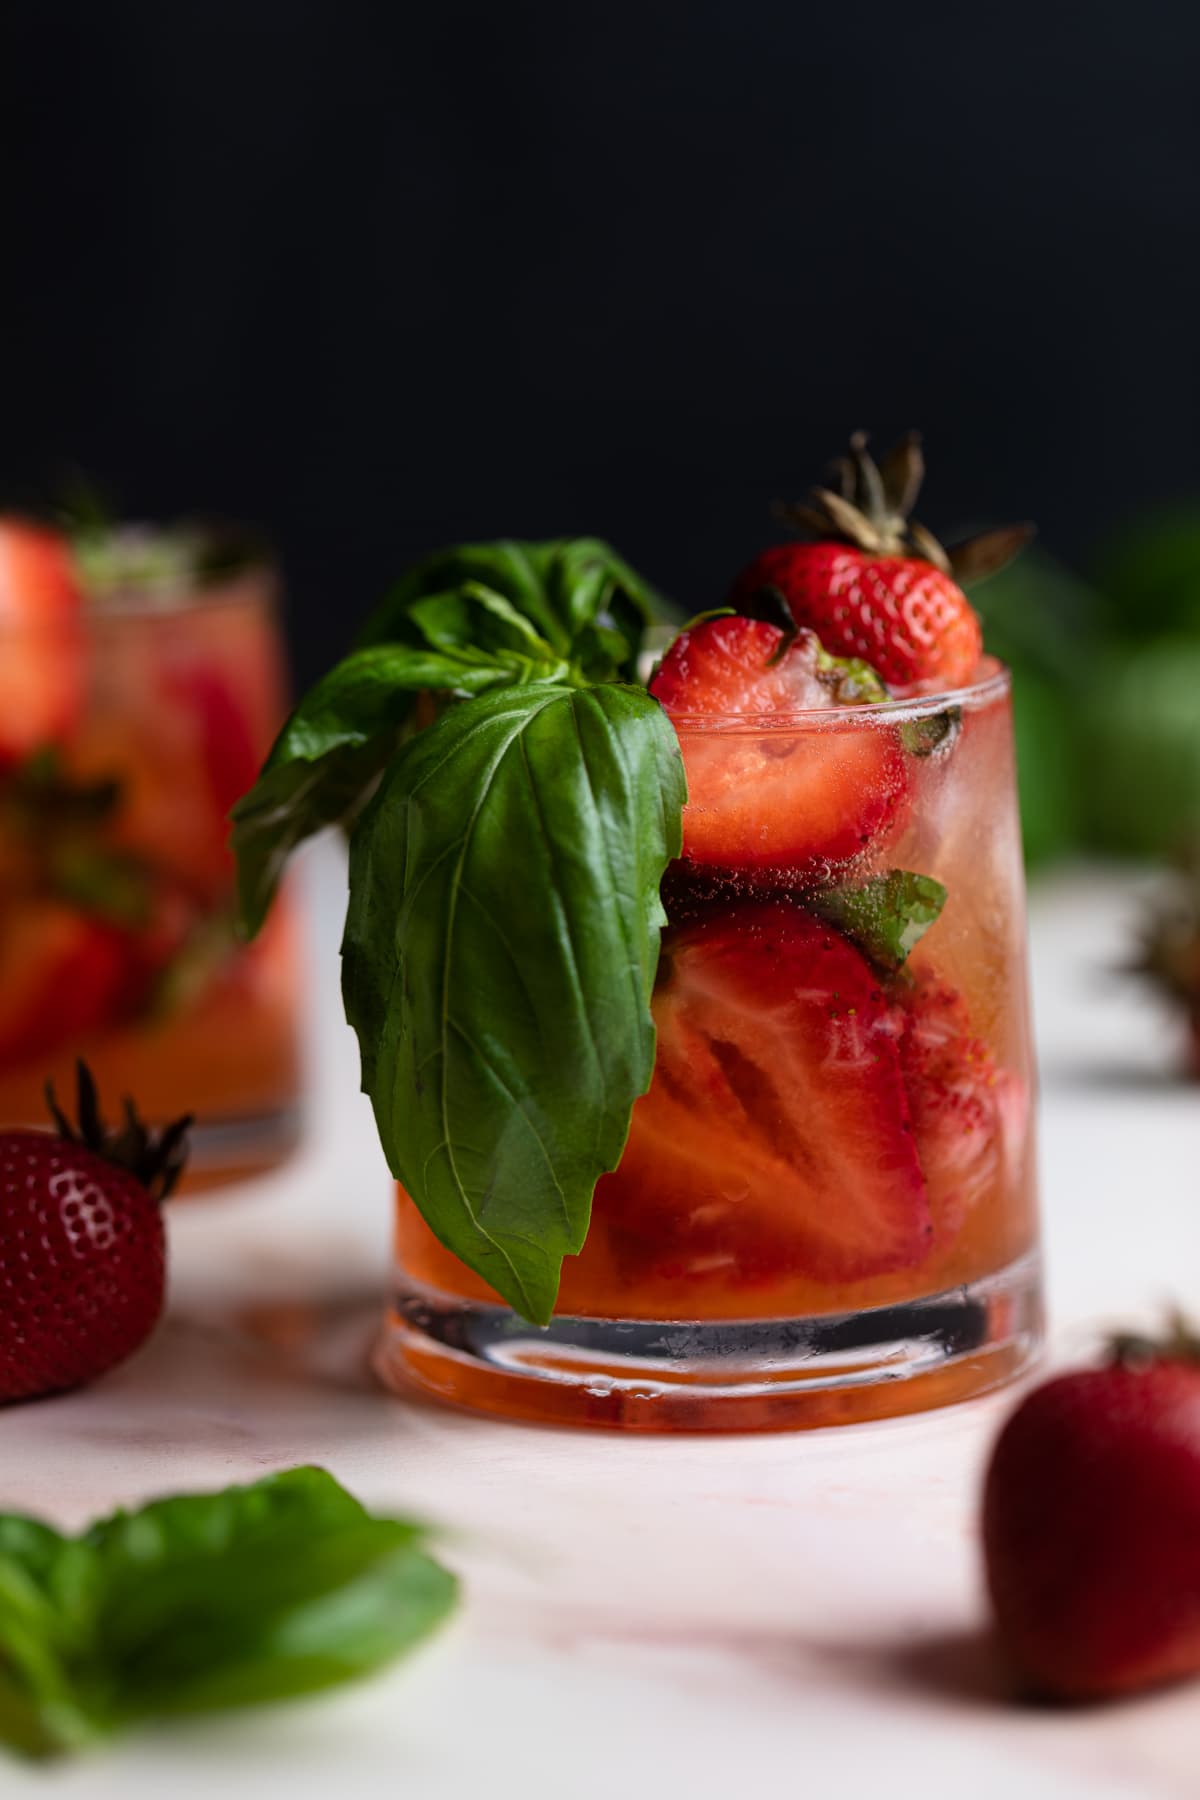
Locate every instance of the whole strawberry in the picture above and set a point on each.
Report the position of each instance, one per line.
(1091, 1524)
(873, 583)
(82, 1254)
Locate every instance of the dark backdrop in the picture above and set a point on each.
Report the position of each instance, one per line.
(380, 276)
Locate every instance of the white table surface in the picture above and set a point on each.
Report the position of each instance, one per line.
(770, 1615)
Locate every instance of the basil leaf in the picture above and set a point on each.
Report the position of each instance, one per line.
(886, 916)
(333, 747)
(203, 1601)
(500, 950)
(577, 594)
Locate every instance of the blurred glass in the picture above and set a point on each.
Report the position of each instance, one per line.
(116, 882)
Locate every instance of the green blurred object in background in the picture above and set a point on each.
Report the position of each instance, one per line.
(1149, 570)
(1106, 690)
(1142, 748)
(1046, 624)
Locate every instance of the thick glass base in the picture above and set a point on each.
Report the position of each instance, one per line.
(238, 1149)
(728, 1375)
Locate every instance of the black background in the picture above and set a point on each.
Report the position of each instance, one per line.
(380, 277)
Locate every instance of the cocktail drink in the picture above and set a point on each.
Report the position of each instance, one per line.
(143, 682)
(831, 1180)
(818, 1201)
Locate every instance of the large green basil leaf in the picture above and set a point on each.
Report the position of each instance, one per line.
(341, 735)
(499, 955)
(577, 594)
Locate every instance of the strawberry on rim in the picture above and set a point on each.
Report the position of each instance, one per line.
(872, 582)
(776, 799)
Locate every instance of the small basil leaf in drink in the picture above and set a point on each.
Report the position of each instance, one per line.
(204, 1601)
(886, 916)
(332, 749)
(934, 734)
(498, 960)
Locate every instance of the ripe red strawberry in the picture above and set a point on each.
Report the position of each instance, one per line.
(41, 634)
(776, 1137)
(81, 1245)
(1091, 1525)
(874, 583)
(796, 796)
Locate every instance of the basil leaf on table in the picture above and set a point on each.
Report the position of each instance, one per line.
(580, 597)
(499, 955)
(336, 742)
(204, 1601)
(886, 916)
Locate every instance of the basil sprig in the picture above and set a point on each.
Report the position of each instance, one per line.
(504, 920)
(201, 1602)
(499, 955)
(338, 741)
(457, 624)
(581, 598)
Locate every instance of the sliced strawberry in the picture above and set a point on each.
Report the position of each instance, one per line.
(62, 976)
(41, 639)
(968, 1115)
(228, 742)
(775, 1138)
(802, 792)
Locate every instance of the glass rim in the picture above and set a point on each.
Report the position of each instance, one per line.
(993, 681)
(256, 585)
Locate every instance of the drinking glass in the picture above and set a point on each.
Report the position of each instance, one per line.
(826, 1209)
(117, 935)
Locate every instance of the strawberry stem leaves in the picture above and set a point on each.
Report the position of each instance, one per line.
(155, 1158)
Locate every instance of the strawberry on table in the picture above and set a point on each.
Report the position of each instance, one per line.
(778, 1086)
(874, 583)
(776, 797)
(82, 1253)
(1091, 1524)
(41, 639)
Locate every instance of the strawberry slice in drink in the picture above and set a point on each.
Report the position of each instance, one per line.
(776, 1138)
(780, 793)
(62, 976)
(42, 664)
(969, 1117)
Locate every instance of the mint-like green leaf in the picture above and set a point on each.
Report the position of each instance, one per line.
(577, 594)
(932, 734)
(340, 736)
(203, 1601)
(886, 916)
(499, 955)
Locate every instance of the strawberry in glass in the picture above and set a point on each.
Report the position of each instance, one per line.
(151, 685)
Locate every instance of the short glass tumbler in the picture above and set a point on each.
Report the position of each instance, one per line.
(117, 938)
(826, 1210)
